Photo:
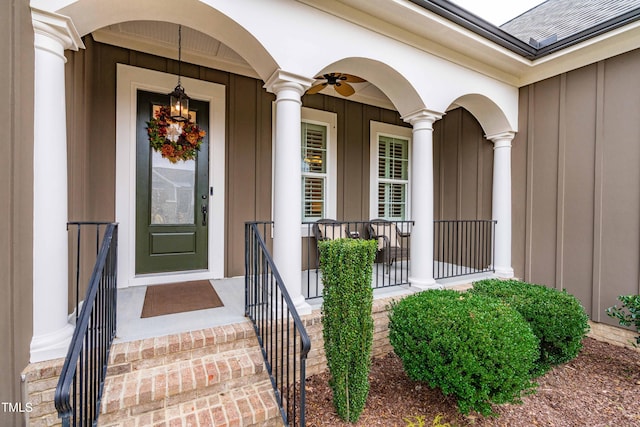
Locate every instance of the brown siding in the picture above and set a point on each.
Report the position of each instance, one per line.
(248, 146)
(576, 183)
(16, 192)
(463, 168)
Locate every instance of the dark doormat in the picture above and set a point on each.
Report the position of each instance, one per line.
(179, 298)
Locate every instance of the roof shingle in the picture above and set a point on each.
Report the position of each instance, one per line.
(565, 18)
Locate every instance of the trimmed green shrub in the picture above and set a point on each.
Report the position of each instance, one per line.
(346, 266)
(472, 347)
(630, 303)
(556, 317)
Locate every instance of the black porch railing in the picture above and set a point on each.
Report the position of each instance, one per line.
(283, 339)
(462, 247)
(391, 267)
(79, 390)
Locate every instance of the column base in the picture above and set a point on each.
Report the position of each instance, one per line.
(424, 284)
(50, 346)
(302, 306)
(504, 272)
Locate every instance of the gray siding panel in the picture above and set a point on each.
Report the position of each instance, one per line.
(579, 184)
(16, 192)
(463, 168)
(576, 183)
(621, 178)
(545, 181)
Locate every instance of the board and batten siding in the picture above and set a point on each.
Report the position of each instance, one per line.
(16, 209)
(576, 183)
(462, 169)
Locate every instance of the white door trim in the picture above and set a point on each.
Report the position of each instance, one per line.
(129, 80)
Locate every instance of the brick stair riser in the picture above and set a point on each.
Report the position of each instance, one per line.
(177, 381)
(136, 355)
(251, 405)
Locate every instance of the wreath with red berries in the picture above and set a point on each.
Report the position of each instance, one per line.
(175, 141)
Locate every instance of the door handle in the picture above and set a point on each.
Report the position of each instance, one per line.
(204, 210)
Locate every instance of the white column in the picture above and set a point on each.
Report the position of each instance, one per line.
(501, 206)
(51, 330)
(421, 275)
(287, 198)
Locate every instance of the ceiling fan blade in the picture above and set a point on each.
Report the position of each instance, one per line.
(345, 89)
(353, 79)
(317, 88)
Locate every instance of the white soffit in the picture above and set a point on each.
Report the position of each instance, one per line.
(161, 39)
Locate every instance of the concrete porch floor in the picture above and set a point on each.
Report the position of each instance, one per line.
(231, 291)
(132, 327)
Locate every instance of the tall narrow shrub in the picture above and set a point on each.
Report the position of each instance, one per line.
(346, 266)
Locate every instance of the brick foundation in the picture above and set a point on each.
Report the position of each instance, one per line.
(613, 335)
(41, 380)
(317, 362)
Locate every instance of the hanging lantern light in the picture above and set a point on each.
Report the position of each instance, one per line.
(179, 101)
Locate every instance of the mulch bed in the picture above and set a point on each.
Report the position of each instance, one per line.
(600, 387)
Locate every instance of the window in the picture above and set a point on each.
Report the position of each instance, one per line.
(393, 177)
(390, 160)
(318, 165)
(314, 171)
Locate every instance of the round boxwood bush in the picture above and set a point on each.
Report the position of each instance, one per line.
(470, 346)
(556, 317)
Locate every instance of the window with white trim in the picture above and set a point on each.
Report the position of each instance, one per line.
(318, 160)
(390, 171)
(314, 171)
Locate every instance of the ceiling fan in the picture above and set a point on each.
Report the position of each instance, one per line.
(340, 81)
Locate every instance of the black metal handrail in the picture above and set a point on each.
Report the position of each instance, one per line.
(283, 339)
(79, 390)
(462, 247)
(391, 266)
(85, 242)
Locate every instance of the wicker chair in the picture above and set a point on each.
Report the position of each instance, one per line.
(392, 243)
(330, 229)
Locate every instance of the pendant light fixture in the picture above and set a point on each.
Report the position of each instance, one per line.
(179, 100)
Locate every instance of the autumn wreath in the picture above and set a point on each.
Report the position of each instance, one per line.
(176, 141)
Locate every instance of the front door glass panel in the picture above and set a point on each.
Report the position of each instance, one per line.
(172, 190)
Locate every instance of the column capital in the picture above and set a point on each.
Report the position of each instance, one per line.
(422, 118)
(502, 139)
(283, 80)
(57, 27)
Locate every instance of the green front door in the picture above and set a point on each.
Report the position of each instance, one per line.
(172, 199)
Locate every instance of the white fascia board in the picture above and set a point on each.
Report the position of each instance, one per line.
(608, 45)
(425, 30)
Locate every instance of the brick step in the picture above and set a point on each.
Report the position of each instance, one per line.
(135, 355)
(180, 381)
(252, 405)
(211, 377)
